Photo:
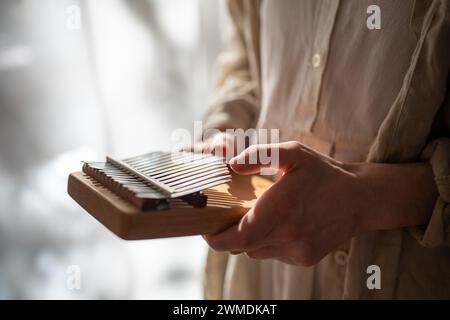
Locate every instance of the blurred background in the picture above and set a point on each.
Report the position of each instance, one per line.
(78, 80)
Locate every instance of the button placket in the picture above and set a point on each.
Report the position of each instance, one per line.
(320, 49)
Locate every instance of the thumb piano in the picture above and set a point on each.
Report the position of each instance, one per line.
(164, 194)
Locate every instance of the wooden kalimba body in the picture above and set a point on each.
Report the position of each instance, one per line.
(164, 194)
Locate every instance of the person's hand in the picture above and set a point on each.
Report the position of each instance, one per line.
(302, 217)
(319, 203)
(221, 144)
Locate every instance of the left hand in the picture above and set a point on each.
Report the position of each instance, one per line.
(317, 204)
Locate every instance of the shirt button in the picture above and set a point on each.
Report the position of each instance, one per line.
(316, 60)
(341, 257)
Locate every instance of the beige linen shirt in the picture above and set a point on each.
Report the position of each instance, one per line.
(315, 71)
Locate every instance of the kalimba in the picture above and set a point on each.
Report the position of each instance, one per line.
(164, 194)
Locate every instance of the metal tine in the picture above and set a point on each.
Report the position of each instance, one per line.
(95, 165)
(161, 164)
(165, 164)
(149, 154)
(147, 195)
(135, 185)
(141, 161)
(151, 195)
(114, 169)
(141, 189)
(120, 174)
(104, 167)
(164, 158)
(127, 178)
(109, 166)
(201, 183)
(123, 181)
(198, 178)
(160, 172)
(187, 174)
(130, 182)
(126, 185)
(200, 188)
(154, 168)
(183, 171)
(153, 154)
(115, 172)
(167, 169)
(129, 185)
(124, 178)
(152, 181)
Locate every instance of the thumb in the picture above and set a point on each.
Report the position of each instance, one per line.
(257, 157)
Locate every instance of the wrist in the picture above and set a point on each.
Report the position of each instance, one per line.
(392, 195)
(367, 197)
(363, 197)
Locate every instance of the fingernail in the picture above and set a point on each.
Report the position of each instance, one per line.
(233, 160)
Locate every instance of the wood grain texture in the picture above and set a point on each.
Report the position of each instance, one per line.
(227, 203)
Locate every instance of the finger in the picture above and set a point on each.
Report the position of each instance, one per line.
(246, 235)
(255, 229)
(272, 252)
(287, 260)
(235, 252)
(267, 252)
(282, 156)
(223, 146)
(199, 147)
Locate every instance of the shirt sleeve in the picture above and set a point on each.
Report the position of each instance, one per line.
(437, 152)
(235, 103)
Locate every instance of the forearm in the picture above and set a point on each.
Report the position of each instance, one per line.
(395, 195)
